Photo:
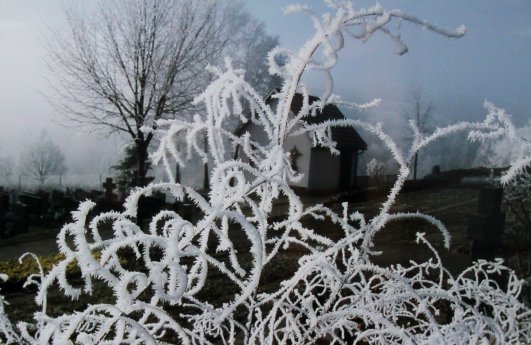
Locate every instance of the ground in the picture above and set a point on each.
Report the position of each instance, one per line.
(397, 241)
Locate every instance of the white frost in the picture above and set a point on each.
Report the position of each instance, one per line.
(336, 293)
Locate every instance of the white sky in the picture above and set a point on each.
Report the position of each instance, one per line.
(493, 61)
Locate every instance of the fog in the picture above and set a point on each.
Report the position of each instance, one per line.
(492, 61)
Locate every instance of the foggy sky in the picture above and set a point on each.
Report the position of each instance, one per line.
(492, 61)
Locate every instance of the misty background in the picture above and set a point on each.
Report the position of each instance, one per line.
(492, 61)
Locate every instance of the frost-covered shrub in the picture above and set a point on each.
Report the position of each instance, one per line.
(335, 292)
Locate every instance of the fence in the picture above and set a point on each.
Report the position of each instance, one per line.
(84, 181)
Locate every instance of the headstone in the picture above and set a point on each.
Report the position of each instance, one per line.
(109, 201)
(15, 221)
(20, 218)
(57, 197)
(69, 204)
(33, 206)
(9, 226)
(490, 200)
(485, 227)
(4, 201)
(45, 206)
(148, 207)
(185, 209)
(81, 195)
(435, 173)
(109, 187)
(13, 196)
(96, 194)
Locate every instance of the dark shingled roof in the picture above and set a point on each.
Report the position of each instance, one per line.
(345, 137)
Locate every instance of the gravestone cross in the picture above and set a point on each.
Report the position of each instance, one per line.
(109, 187)
(294, 155)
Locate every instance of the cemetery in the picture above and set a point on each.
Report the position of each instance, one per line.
(45, 211)
(254, 188)
(22, 212)
(474, 214)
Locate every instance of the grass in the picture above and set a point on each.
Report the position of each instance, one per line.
(217, 290)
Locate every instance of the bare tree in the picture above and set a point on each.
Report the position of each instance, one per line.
(42, 159)
(134, 62)
(249, 51)
(421, 112)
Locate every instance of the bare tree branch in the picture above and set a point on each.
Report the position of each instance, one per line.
(133, 62)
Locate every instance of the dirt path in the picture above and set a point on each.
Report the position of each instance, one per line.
(39, 241)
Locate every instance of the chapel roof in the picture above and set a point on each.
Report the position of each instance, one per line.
(345, 137)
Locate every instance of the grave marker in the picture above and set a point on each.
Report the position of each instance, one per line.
(109, 187)
(485, 227)
(4, 200)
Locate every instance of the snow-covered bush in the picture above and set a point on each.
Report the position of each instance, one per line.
(335, 293)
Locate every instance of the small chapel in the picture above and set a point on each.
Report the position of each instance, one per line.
(322, 171)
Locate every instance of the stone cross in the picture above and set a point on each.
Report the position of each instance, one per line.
(294, 155)
(109, 187)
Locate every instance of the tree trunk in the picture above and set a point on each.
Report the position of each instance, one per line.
(141, 172)
(415, 167)
(177, 173)
(206, 182)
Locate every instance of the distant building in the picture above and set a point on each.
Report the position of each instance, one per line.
(323, 172)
